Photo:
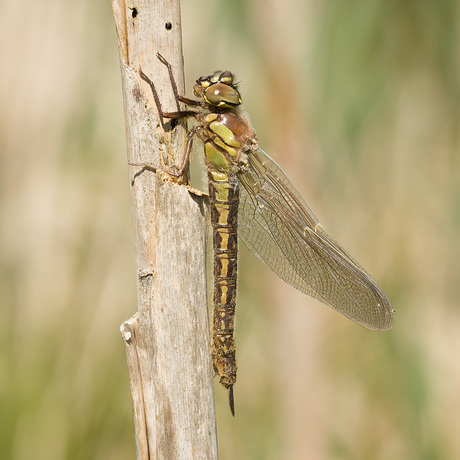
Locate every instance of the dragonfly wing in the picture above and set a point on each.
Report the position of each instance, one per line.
(281, 230)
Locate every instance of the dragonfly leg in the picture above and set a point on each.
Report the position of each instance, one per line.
(180, 98)
(186, 156)
(174, 115)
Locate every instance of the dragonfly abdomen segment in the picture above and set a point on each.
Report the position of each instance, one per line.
(223, 193)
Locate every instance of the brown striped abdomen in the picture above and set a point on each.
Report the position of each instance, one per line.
(223, 198)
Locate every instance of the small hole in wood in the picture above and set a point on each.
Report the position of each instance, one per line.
(134, 12)
(168, 26)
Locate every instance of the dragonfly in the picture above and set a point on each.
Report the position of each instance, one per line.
(251, 198)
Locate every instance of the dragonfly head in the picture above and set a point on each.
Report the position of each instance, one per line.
(218, 90)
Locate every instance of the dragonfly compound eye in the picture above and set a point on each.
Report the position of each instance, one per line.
(222, 95)
(198, 90)
(226, 77)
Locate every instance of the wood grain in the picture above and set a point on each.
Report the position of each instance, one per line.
(167, 342)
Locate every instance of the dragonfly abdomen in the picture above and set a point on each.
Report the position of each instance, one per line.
(223, 197)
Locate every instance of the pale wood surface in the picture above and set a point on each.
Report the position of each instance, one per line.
(167, 342)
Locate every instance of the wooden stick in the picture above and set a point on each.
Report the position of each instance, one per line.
(167, 342)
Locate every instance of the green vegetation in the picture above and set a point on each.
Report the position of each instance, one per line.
(359, 102)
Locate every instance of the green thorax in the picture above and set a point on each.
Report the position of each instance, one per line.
(226, 136)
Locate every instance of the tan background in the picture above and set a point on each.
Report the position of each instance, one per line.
(359, 102)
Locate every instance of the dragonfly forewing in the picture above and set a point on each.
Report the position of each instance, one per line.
(282, 231)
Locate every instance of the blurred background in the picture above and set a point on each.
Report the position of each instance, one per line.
(359, 102)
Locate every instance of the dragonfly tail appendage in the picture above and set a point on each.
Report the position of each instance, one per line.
(231, 400)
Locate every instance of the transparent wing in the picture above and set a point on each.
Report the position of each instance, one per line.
(281, 230)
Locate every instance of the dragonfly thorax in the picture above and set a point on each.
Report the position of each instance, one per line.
(218, 90)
